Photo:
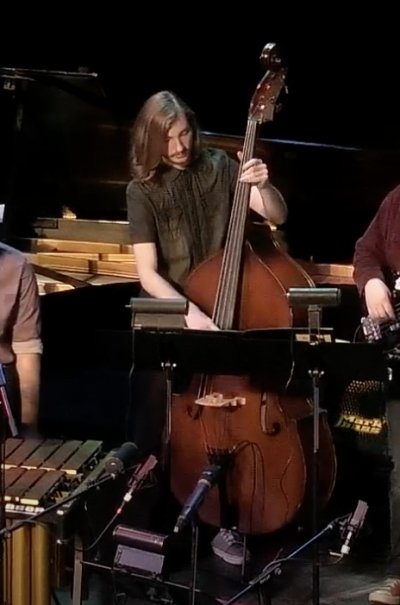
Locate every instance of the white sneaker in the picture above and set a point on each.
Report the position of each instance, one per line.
(229, 546)
(388, 593)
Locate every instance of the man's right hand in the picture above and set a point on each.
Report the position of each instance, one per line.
(197, 320)
(378, 300)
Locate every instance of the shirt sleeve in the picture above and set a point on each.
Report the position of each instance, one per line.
(370, 259)
(140, 217)
(26, 329)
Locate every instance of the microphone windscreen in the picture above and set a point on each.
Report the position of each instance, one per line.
(123, 457)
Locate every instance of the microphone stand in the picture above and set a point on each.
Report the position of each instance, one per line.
(314, 299)
(315, 373)
(274, 567)
(194, 558)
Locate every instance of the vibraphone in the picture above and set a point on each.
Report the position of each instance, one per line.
(37, 474)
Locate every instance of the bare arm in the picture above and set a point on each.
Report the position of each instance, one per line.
(28, 370)
(157, 286)
(265, 199)
(27, 346)
(269, 203)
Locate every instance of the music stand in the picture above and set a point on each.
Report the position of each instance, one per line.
(314, 299)
(160, 314)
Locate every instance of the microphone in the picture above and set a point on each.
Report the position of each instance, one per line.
(123, 457)
(353, 527)
(138, 477)
(207, 479)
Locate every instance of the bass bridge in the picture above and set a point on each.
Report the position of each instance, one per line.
(217, 400)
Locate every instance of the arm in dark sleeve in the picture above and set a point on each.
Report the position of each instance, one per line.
(370, 259)
(140, 217)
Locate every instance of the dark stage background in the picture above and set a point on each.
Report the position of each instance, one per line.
(342, 77)
(334, 148)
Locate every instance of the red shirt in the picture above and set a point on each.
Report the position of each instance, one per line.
(377, 251)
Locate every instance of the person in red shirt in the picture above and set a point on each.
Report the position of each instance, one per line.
(376, 265)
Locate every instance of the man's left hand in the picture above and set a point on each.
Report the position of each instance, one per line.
(255, 172)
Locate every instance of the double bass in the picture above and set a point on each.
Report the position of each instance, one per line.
(261, 436)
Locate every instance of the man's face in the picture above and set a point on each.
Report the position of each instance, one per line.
(179, 143)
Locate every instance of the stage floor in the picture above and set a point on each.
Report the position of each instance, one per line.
(348, 581)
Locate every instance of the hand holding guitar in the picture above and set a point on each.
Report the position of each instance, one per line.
(378, 299)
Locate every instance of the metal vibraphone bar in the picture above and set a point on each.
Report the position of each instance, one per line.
(37, 474)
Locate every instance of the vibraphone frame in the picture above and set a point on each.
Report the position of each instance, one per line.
(39, 476)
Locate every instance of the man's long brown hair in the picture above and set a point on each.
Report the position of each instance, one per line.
(149, 131)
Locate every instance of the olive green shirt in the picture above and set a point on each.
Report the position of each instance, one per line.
(185, 213)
